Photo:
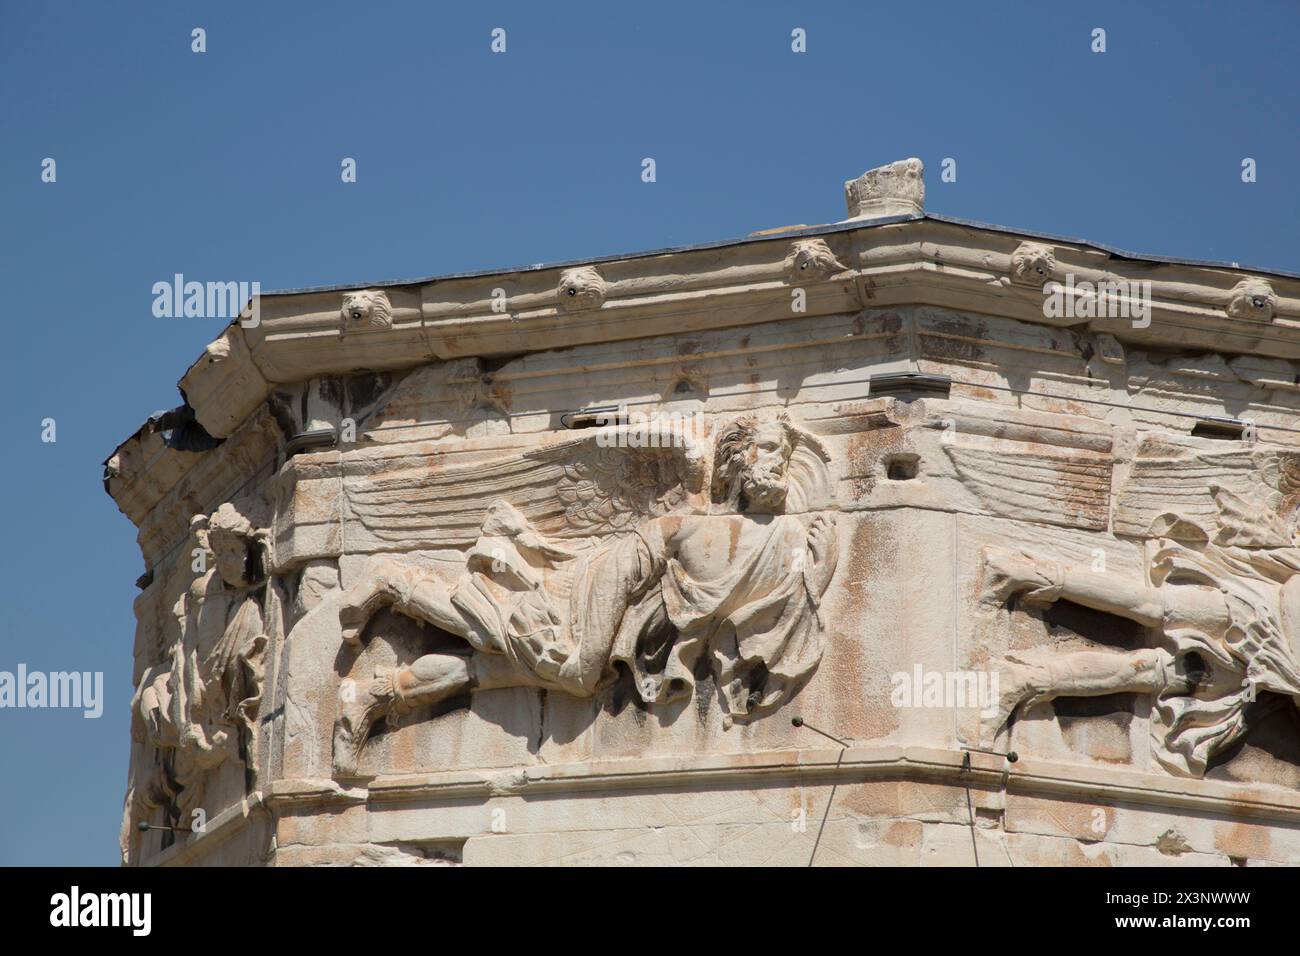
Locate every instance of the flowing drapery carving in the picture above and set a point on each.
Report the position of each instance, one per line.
(739, 581)
(196, 706)
(1225, 622)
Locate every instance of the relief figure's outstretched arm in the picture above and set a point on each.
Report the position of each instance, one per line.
(1043, 580)
(414, 591)
(1113, 594)
(1038, 677)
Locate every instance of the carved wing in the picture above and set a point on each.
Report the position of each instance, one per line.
(610, 488)
(1245, 497)
(1267, 519)
(1288, 484)
(1054, 487)
(603, 481)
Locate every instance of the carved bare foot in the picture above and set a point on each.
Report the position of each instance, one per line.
(360, 706)
(1008, 572)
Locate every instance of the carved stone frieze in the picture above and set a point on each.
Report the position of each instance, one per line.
(1224, 622)
(196, 704)
(535, 612)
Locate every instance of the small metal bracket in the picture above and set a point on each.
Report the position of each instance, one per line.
(145, 827)
(317, 438)
(594, 417)
(910, 385)
(1010, 755)
(1224, 429)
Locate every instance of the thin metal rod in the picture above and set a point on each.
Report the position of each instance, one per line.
(1011, 755)
(800, 722)
(146, 827)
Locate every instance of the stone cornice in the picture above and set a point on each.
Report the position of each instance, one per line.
(160, 489)
(916, 260)
(920, 260)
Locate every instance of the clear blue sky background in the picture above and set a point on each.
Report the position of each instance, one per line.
(225, 166)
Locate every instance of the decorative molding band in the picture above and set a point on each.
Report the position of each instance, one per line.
(1105, 785)
(919, 261)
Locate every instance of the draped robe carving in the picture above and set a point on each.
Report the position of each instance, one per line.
(1226, 624)
(739, 585)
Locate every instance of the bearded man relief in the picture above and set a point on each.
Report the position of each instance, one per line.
(738, 582)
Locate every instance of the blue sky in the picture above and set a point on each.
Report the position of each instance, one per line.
(225, 166)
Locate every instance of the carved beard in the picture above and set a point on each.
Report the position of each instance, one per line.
(763, 489)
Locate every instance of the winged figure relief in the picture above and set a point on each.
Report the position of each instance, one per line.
(587, 552)
(604, 481)
(1221, 600)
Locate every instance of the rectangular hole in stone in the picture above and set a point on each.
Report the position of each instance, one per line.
(902, 467)
(1224, 429)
